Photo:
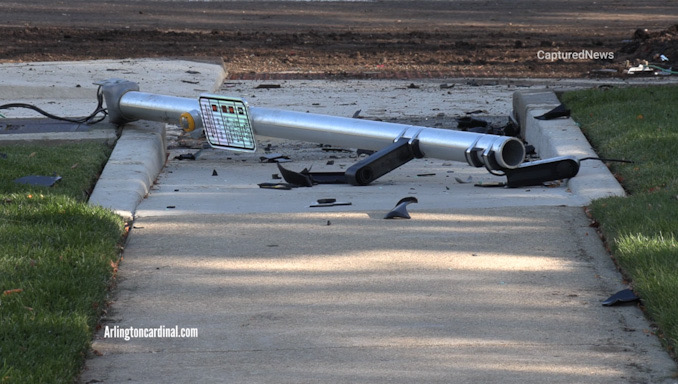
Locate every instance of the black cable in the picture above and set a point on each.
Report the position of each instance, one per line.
(607, 160)
(85, 120)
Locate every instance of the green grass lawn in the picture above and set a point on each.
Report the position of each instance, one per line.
(57, 257)
(639, 124)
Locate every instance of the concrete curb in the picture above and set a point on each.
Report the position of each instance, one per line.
(562, 137)
(132, 168)
(140, 152)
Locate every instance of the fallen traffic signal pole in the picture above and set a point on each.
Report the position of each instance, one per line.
(231, 123)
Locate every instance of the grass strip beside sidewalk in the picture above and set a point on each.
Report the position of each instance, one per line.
(641, 125)
(57, 258)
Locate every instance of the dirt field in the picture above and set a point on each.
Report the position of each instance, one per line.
(460, 38)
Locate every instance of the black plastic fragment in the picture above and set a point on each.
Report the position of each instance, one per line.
(326, 177)
(214, 172)
(332, 204)
(274, 158)
(467, 122)
(306, 178)
(622, 297)
(559, 111)
(281, 186)
(185, 156)
(400, 210)
(41, 181)
(327, 201)
(295, 178)
(383, 161)
(538, 172)
(492, 184)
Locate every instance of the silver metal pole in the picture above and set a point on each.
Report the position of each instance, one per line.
(508, 152)
(492, 151)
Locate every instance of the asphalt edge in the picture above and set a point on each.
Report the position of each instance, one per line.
(562, 137)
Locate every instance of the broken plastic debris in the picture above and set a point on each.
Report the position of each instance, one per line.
(621, 297)
(42, 181)
(328, 203)
(185, 156)
(460, 181)
(274, 158)
(214, 172)
(640, 69)
(491, 184)
(470, 122)
(559, 111)
(400, 210)
(281, 186)
(306, 178)
(295, 178)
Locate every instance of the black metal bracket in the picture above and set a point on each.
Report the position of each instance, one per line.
(383, 161)
(537, 172)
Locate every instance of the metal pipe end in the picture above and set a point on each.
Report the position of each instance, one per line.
(509, 153)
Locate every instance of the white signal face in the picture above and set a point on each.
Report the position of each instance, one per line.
(227, 123)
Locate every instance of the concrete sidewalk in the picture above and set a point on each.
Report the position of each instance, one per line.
(481, 285)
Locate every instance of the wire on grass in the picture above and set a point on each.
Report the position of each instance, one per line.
(607, 160)
(91, 119)
(665, 70)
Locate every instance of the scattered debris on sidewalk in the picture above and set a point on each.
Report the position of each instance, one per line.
(274, 158)
(466, 122)
(330, 202)
(400, 210)
(306, 178)
(41, 181)
(185, 156)
(622, 297)
(555, 113)
(279, 186)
